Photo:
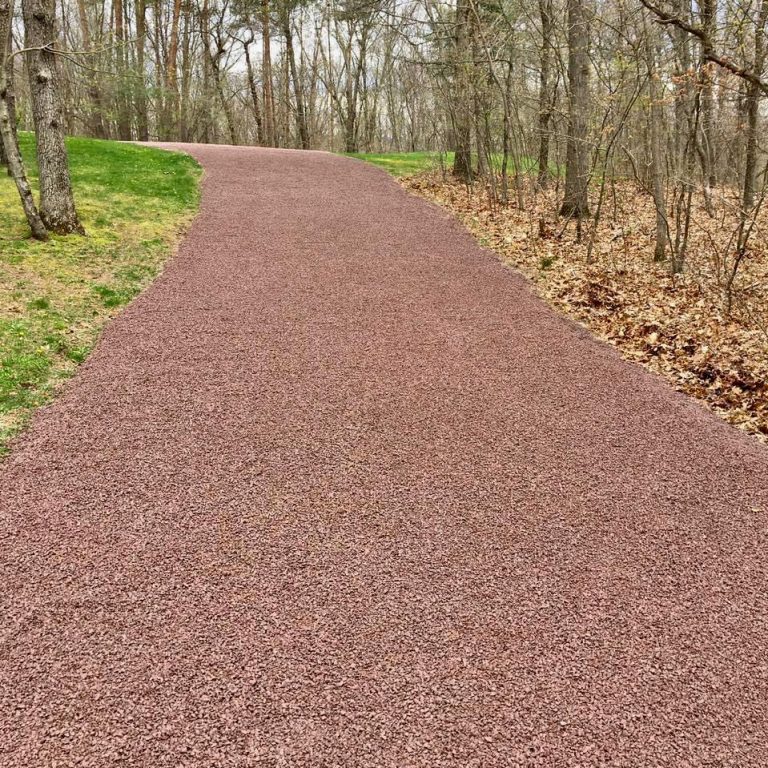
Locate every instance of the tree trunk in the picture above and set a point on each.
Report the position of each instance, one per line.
(284, 136)
(15, 165)
(349, 114)
(655, 124)
(682, 81)
(462, 97)
(159, 111)
(204, 19)
(171, 77)
(95, 114)
(546, 106)
(751, 104)
(266, 74)
(225, 103)
(298, 91)
(254, 93)
(9, 140)
(350, 122)
(57, 204)
(575, 202)
(186, 73)
(123, 107)
(142, 122)
(752, 110)
(709, 171)
(9, 95)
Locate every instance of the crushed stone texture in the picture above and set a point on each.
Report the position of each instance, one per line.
(338, 490)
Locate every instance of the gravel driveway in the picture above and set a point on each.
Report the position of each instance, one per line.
(338, 490)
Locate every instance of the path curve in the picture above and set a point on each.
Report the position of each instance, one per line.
(338, 490)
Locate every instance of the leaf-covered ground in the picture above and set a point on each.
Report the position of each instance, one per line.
(56, 296)
(676, 325)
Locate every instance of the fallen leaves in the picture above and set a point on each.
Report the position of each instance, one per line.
(675, 325)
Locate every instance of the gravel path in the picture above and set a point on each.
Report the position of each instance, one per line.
(339, 491)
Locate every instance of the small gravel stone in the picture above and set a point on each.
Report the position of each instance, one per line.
(338, 490)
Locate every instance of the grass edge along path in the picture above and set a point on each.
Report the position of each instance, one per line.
(55, 297)
(403, 164)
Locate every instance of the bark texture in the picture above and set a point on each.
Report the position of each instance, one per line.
(9, 140)
(575, 202)
(298, 89)
(546, 90)
(462, 113)
(57, 204)
(142, 119)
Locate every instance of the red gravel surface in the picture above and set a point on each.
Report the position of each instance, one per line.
(339, 491)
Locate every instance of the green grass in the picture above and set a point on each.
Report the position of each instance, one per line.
(56, 296)
(405, 163)
(409, 163)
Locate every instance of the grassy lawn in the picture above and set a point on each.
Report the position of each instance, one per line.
(409, 163)
(56, 296)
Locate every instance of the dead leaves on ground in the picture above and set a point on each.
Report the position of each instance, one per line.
(675, 325)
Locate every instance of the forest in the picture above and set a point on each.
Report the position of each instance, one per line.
(619, 137)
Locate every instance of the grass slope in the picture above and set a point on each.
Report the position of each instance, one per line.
(56, 296)
(410, 163)
(406, 163)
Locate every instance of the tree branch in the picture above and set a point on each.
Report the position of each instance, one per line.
(708, 50)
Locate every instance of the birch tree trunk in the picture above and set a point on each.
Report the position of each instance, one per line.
(6, 62)
(10, 145)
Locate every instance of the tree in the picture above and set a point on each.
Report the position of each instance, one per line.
(95, 108)
(268, 98)
(57, 204)
(142, 118)
(706, 68)
(285, 10)
(655, 128)
(6, 62)
(171, 120)
(121, 65)
(546, 89)
(253, 90)
(9, 139)
(461, 112)
(752, 106)
(575, 202)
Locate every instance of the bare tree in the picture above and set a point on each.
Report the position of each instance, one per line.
(546, 88)
(10, 144)
(462, 92)
(576, 202)
(57, 204)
